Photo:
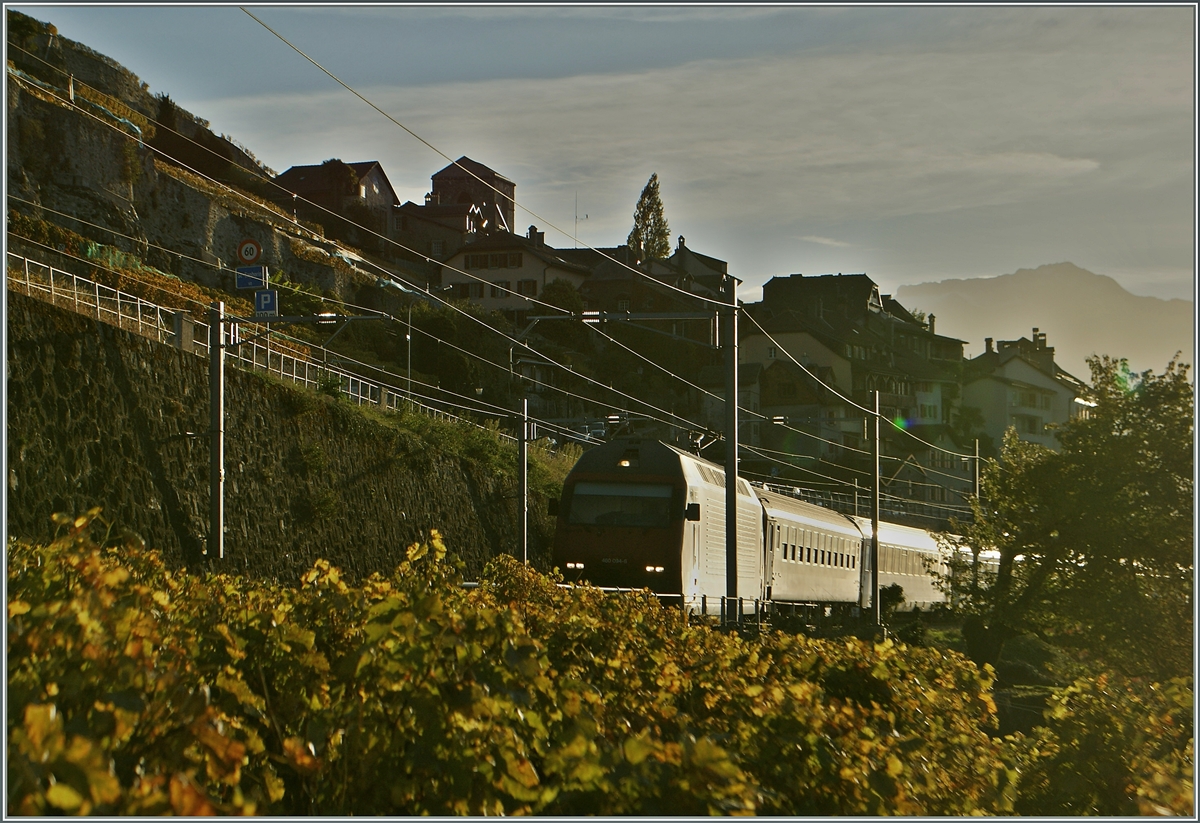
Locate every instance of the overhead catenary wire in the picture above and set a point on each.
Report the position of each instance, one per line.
(466, 273)
(550, 306)
(525, 346)
(632, 351)
(475, 406)
(472, 405)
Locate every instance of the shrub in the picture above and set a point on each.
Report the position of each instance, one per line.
(134, 689)
(1113, 746)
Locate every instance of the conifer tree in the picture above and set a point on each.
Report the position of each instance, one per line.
(650, 237)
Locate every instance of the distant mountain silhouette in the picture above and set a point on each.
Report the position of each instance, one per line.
(1082, 313)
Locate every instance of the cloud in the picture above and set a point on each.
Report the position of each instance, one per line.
(1011, 119)
(825, 241)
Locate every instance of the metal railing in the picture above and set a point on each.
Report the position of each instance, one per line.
(85, 296)
(251, 348)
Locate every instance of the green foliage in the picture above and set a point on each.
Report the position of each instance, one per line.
(329, 384)
(21, 26)
(1113, 746)
(891, 597)
(650, 237)
(137, 690)
(570, 333)
(1103, 530)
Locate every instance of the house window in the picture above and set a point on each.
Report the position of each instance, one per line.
(623, 304)
(468, 291)
(501, 288)
(435, 247)
(527, 288)
(1027, 424)
(514, 260)
(362, 191)
(476, 261)
(771, 353)
(1028, 399)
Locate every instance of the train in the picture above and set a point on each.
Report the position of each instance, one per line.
(639, 513)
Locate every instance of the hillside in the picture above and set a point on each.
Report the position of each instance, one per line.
(1081, 312)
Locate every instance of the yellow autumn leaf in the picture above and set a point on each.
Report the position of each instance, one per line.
(115, 577)
(64, 797)
(16, 607)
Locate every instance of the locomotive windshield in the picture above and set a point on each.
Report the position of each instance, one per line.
(621, 504)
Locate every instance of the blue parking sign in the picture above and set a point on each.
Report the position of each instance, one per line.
(266, 303)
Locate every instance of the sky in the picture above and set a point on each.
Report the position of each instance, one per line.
(914, 144)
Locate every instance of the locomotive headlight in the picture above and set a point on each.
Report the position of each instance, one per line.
(654, 568)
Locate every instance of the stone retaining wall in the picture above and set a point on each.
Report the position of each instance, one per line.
(100, 416)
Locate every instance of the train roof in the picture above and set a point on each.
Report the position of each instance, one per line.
(781, 506)
(897, 535)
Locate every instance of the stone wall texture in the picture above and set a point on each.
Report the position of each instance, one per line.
(98, 416)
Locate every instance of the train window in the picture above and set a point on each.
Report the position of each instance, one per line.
(621, 504)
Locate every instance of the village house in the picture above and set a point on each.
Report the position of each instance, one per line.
(1018, 384)
(502, 271)
(358, 192)
(842, 330)
(467, 182)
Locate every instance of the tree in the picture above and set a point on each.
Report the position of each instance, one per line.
(570, 333)
(650, 237)
(1095, 541)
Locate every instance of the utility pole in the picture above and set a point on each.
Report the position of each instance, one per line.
(875, 616)
(216, 430)
(523, 480)
(975, 549)
(731, 438)
(975, 479)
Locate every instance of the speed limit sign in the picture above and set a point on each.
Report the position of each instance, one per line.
(249, 251)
